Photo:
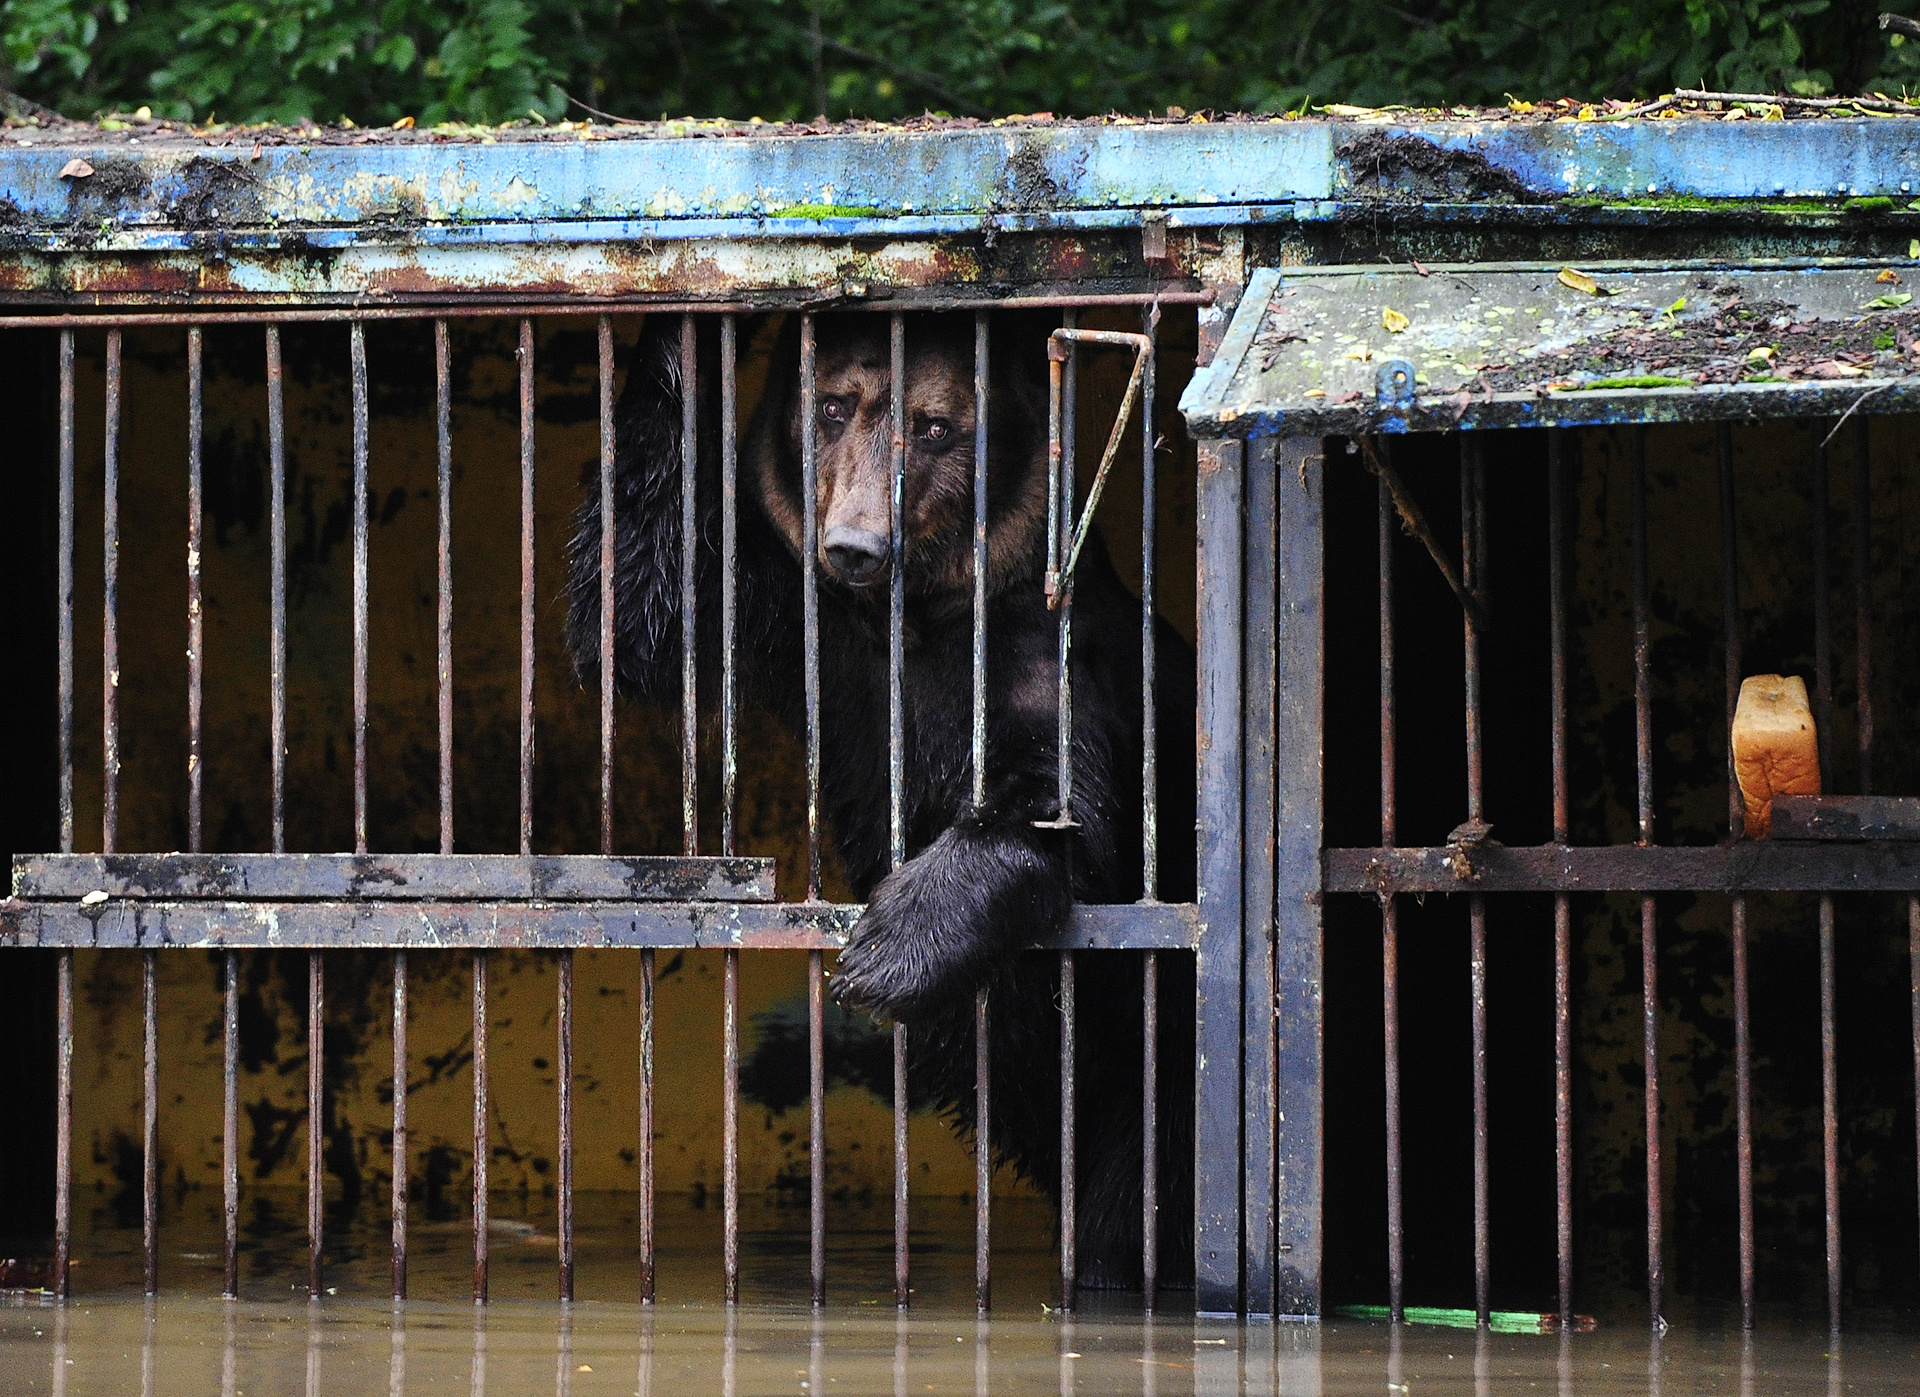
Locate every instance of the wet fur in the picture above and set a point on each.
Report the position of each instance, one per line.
(977, 883)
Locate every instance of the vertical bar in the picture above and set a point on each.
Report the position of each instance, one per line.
(195, 618)
(150, 1125)
(729, 579)
(1217, 1176)
(563, 1076)
(1150, 1132)
(357, 342)
(607, 677)
(689, 542)
(982, 1155)
(896, 774)
(63, 1130)
(1829, 1084)
(1830, 1114)
(526, 587)
(730, 1122)
(230, 1129)
(316, 1113)
(1863, 599)
(810, 599)
(1913, 972)
(647, 1260)
(817, 1125)
(1069, 1171)
(982, 1023)
(1562, 904)
(1649, 943)
(63, 1090)
(1472, 550)
(398, 1155)
(482, 1146)
(1736, 828)
(1261, 746)
(110, 607)
(443, 405)
(1149, 538)
(1298, 1113)
(64, 584)
(277, 601)
(1390, 914)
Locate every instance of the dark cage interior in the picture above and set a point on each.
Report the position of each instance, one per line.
(1776, 480)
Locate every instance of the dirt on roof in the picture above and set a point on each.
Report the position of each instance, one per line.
(26, 124)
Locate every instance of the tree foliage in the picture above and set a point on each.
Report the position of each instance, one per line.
(497, 60)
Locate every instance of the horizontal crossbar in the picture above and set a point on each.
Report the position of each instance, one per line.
(392, 877)
(437, 925)
(1750, 866)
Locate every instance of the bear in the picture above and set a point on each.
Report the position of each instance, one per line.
(977, 882)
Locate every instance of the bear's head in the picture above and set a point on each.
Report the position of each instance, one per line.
(853, 423)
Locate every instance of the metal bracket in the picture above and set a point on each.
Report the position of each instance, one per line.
(1393, 384)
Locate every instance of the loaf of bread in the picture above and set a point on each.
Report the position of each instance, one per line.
(1775, 749)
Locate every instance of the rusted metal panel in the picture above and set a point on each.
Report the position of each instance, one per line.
(1395, 349)
(392, 877)
(1846, 817)
(486, 925)
(1748, 867)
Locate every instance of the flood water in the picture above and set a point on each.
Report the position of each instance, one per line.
(110, 1339)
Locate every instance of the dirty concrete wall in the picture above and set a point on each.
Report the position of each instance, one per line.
(403, 808)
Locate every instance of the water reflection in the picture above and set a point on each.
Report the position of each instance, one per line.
(371, 1348)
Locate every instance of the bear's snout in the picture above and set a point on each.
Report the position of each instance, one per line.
(856, 556)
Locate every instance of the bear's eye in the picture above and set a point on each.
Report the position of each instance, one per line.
(833, 410)
(936, 429)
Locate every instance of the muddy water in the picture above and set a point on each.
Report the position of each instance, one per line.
(354, 1340)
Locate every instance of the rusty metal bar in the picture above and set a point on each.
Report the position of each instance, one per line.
(1390, 915)
(1149, 540)
(482, 1145)
(526, 586)
(1863, 599)
(607, 565)
(1649, 944)
(64, 585)
(150, 1124)
(1069, 1173)
(729, 577)
(982, 1154)
(1913, 971)
(647, 1085)
(398, 1154)
(563, 1081)
(730, 1123)
(230, 1127)
(817, 1123)
(63, 1043)
(443, 423)
(277, 598)
(357, 342)
(63, 1129)
(689, 545)
(896, 773)
(1736, 828)
(1562, 907)
(982, 1011)
(1829, 1085)
(900, 1275)
(1830, 1113)
(110, 608)
(1472, 550)
(1150, 1133)
(511, 305)
(316, 1114)
(195, 619)
(810, 594)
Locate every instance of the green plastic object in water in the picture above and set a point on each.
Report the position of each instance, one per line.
(1499, 1321)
